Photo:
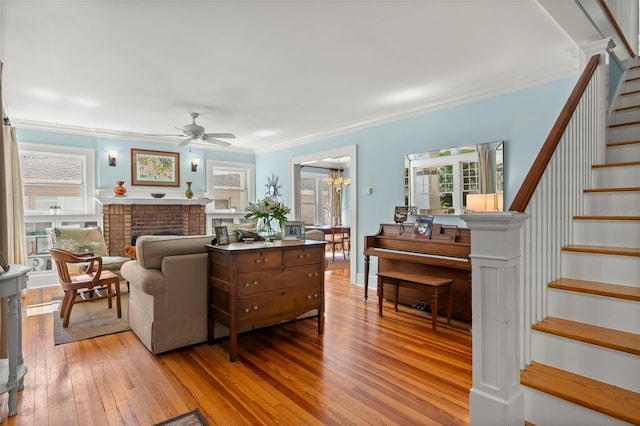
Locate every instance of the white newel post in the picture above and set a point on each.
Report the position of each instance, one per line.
(496, 397)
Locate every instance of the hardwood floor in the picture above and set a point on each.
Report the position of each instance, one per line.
(363, 370)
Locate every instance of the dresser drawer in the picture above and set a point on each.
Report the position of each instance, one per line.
(259, 260)
(304, 256)
(281, 306)
(257, 282)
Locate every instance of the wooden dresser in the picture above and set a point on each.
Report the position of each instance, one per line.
(258, 284)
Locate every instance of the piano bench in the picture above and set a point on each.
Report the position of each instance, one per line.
(434, 285)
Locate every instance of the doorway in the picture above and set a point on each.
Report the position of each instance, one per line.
(348, 162)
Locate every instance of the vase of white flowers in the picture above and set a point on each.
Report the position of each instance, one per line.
(270, 216)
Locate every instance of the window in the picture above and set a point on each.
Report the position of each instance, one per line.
(470, 180)
(57, 175)
(314, 199)
(230, 185)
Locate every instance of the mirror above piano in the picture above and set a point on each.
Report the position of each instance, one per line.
(447, 181)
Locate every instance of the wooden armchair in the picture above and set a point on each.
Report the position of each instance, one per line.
(92, 285)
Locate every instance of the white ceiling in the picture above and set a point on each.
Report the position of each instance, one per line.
(274, 73)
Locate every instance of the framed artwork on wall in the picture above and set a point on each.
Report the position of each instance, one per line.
(155, 168)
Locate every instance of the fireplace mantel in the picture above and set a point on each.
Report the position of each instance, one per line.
(154, 201)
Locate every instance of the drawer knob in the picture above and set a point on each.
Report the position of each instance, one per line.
(255, 307)
(258, 260)
(300, 256)
(309, 297)
(309, 274)
(266, 260)
(246, 310)
(308, 255)
(315, 294)
(247, 284)
(255, 282)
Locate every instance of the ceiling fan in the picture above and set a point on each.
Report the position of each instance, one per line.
(194, 131)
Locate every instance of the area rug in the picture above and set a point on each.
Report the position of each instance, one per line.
(91, 320)
(192, 418)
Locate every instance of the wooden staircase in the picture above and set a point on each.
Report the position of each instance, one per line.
(586, 353)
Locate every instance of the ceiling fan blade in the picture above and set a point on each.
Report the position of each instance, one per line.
(221, 135)
(184, 142)
(178, 136)
(206, 138)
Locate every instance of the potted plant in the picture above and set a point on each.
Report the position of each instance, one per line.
(270, 215)
(54, 209)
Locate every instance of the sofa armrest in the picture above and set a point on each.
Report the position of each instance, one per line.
(151, 281)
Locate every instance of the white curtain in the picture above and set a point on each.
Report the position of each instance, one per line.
(485, 171)
(12, 242)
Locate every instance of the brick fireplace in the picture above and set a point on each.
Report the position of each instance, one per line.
(126, 218)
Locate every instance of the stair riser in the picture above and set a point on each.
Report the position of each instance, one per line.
(543, 409)
(630, 86)
(629, 100)
(624, 203)
(625, 116)
(621, 233)
(605, 268)
(616, 177)
(602, 364)
(602, 311)
(624, 133)
(622, 153)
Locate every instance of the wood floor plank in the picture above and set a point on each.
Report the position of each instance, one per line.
(364, 369)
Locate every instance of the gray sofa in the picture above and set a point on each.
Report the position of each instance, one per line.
(168, 291)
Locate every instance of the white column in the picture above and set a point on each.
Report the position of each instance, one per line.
(496, 397)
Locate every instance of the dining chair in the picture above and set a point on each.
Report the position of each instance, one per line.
(91, 285)
(339, 237)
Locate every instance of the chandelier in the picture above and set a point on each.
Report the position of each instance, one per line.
(336, 181)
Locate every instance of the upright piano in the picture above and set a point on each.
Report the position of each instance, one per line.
(445, 254)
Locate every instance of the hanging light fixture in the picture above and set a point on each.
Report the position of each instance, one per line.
(336, 181)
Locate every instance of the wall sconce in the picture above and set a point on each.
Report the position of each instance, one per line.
(194, 164)
(112, 158)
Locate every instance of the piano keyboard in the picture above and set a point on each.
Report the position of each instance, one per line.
(413, 253)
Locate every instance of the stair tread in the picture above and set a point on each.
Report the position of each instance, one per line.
(607, 217)
(619, 189)
(586, 248)
(627, 107)
(601, 336)
(611, 400)
(631, 92)
(628, 123)
(598, 288)
(620, 164)
(633, 142)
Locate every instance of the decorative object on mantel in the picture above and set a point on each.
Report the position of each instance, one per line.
(188, 193)
(270, 215)
(273, 187)
(120, 190)
(157, 194)
(54, 209)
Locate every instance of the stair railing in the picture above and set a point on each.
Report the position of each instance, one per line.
(552, 193)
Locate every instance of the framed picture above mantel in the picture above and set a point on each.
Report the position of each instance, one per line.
(155, 168)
